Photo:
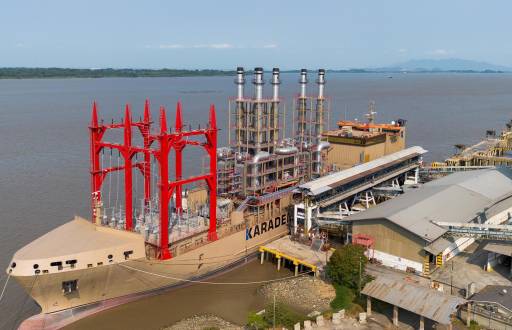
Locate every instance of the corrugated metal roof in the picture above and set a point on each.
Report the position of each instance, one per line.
(459, 197)
(504, 248)
(415, 298)
(319, 185)
(500, 294)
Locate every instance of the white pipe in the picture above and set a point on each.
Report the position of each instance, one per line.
(287, 150)
(262, 155)
(318, 155)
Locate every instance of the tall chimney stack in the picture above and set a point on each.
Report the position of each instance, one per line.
(321, 83)
(303, 82)
(275, 84)
(240, 82)
(258, 83)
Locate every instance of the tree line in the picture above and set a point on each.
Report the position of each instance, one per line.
(26, 73)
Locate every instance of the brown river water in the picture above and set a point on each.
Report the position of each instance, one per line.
(44, 151)
(230, 302)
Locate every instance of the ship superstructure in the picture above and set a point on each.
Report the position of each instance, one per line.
(258, 161)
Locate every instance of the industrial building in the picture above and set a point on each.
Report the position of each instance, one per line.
(404, 230)
(357, 142)
(491, 306)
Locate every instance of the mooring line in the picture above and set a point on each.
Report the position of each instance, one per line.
(5, 286)
(213, 283)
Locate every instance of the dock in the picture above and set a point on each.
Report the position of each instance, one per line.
(301, 256)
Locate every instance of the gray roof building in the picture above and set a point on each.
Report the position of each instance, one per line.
(415, 298)
(462, 197)
(498, 294)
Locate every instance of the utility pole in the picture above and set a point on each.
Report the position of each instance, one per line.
(451, 278)
(274, 314)
(359, 277)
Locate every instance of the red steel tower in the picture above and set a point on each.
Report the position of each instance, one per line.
(166, 141)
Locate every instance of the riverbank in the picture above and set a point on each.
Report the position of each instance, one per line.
(296, 291)
(203, 322)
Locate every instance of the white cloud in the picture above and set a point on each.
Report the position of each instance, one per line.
(210, 46)
(402, 50)
(219, 46)
(170, 46)
(440, 52)
(198, 46)
(20, 45)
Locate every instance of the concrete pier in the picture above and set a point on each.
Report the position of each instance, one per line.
(395, 316)
(301, 256)
(468, 315)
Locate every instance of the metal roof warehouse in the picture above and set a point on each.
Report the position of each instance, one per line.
(482, 196)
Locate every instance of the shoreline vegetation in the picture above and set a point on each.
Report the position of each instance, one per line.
(47, 73)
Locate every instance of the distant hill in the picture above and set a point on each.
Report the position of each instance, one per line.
(441, 65)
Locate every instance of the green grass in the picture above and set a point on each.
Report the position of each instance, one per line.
(256, 321)
(343, 299)
(474, 326)
(285, 316)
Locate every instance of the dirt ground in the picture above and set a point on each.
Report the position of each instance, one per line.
(305, 293)
(200, 322)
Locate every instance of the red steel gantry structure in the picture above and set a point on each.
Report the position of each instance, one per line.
(167, 140)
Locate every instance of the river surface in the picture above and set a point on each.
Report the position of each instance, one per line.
(230, 302)
(44, 147)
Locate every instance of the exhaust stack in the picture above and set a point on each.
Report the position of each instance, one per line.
(321, 83)
(258, 84)
(303, 82)
(275, 84)
(240, 82)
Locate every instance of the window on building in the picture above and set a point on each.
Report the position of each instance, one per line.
(68, 287)
(71, 263)
(127, 254)
(57, 264)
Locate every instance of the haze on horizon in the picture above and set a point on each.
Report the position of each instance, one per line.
(223, 34)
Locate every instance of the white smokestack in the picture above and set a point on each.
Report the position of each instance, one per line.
(303, 82)
(258, 83)
(275, 84)
(321, 83)
(240, 82)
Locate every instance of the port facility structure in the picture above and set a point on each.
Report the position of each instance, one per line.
(334, 196)
(410, 232)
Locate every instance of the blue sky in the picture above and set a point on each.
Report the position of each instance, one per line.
(224, 34)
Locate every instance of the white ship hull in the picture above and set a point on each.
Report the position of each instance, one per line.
(139, 275)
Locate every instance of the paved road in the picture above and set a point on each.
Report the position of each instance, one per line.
(467, 267)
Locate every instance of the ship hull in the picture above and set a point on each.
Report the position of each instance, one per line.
(139, 276)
